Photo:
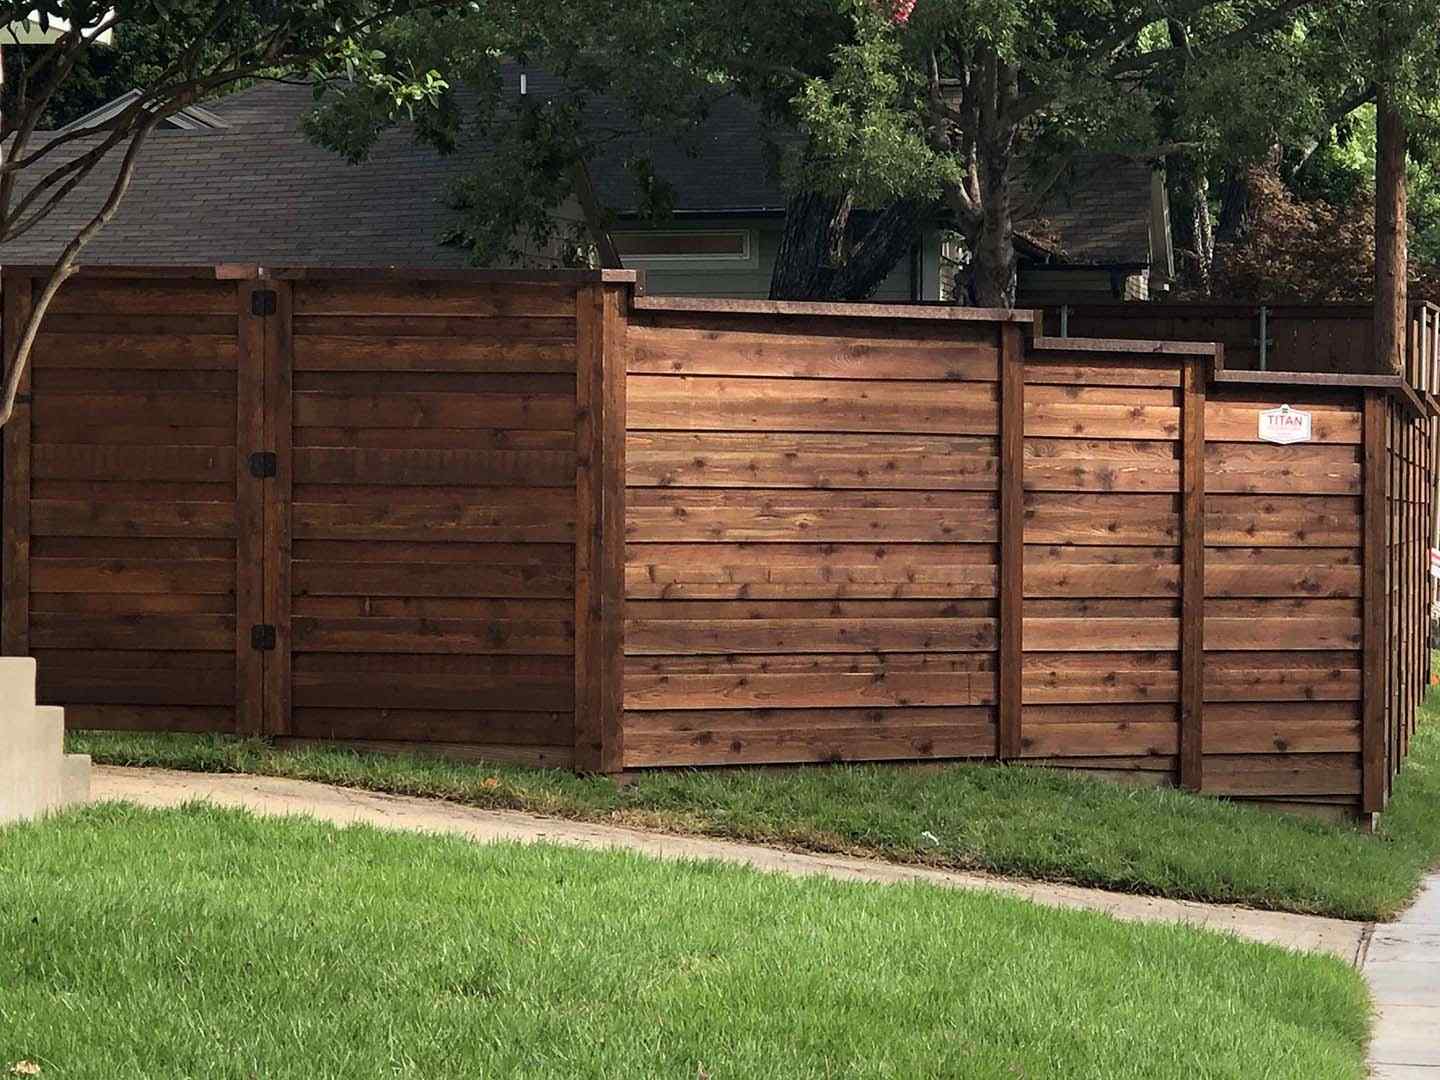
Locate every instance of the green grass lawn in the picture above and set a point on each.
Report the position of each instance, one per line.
(1027, 822)
(139, 944)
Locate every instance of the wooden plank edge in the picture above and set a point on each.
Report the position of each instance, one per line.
(407, 275)
(1128, 346)
(932, 313)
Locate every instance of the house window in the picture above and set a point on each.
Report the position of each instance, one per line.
(732, 245)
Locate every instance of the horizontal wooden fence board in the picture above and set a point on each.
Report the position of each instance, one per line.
(447, 726)
(187, 719)
(1118, 739)
(827, 690)
(1060, 420)
(810, 461)
(423, 579)
(434, 298)
(498, 468)
(808, 517)
(644, 636)
(680, 403)
(429, 353)
(738, 353)
(467, 522)
(476, 410)
(809, 739)
(1236, 422)
(500, 330)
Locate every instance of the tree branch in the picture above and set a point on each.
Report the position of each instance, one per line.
(1271, 20)
(1343, 108)
(65, 268)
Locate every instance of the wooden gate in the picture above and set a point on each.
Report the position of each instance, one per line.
(318, 507)
(131, 524)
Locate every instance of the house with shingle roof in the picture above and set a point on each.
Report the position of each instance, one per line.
(238, 182)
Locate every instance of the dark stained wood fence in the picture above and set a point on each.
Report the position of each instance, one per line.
(544, 519)
(307, 506)
(1332, 338)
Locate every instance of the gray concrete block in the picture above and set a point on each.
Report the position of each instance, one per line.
(35, 775)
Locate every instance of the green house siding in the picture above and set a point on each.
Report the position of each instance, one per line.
(741, 279)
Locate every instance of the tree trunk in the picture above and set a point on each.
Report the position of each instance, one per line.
(828, 251)
(595, 218)
(1189, 190)
(812, 239)
(1390, 235)
(1236, 213)
(993, 262)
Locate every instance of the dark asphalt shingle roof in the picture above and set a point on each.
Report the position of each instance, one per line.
(259, 192)
(1099, 211)
(258, 195)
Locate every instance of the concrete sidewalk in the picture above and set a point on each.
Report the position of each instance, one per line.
(1402, 966)
(267, 795)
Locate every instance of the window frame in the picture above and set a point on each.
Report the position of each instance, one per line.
(747, 258)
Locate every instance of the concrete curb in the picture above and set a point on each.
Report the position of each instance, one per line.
(269, 795)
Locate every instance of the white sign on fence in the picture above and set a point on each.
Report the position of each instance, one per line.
(1285, 425)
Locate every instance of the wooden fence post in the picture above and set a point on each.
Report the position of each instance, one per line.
(1011, 573)
(249, 512)
(602, 313)
(279, 436)
(15, 624)
(1192, 575)
(1374, 555)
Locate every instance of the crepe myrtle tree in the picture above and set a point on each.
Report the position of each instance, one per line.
(213, 46)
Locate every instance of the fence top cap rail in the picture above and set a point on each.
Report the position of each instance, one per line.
(933, 312)
(1129, 346)
(1397, 385)
(254, 271)
(1222, 309)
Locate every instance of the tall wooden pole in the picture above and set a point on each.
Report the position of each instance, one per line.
(1390, 233)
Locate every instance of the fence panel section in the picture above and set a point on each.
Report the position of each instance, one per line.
(811, 538)
(1283, 597)
(1103, 483)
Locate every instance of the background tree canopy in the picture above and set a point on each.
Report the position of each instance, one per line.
(883, 119)
(892, 119)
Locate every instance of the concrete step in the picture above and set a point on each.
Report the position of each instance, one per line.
(36, 775)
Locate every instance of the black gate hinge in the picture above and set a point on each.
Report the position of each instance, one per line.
(262, 302)
(264, 464)
(262, 637)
